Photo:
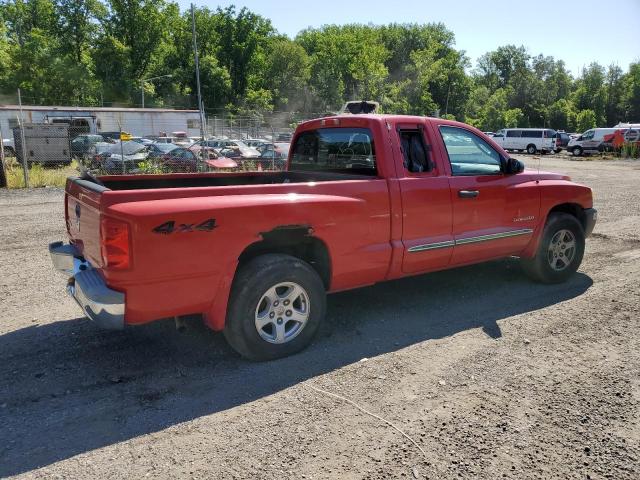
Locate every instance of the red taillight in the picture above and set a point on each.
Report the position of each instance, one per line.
(114, 237)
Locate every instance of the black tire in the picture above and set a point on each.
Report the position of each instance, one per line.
(531, 149)
(539, 267)
(252, 281)
(557, 150)
(9, 152)
(577, 151)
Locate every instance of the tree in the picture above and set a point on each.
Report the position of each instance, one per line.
(23, 16)
(585, 120)
(141, 27)
(288, 71)
(561, 115)
(631, 96)
(77, 25)
(492, 113)
(590, 93)
(513, 118)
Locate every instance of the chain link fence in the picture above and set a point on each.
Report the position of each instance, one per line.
(46, 153)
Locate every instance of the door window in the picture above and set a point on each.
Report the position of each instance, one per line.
(514, 133)
(468, 153)
(414, 151)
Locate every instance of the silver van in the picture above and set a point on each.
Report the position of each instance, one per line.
(531, 140)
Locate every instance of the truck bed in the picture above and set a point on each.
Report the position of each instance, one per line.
(143, 182)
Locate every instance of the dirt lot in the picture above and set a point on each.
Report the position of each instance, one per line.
(491, 375)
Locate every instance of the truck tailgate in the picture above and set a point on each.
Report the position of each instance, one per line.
(82, 213)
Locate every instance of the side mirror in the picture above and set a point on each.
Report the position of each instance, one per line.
(514, 166)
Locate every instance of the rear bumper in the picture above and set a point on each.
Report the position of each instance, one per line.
(590, 218)
(101, 304)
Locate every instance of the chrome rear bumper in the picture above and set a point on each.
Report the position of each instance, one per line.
(101, 304)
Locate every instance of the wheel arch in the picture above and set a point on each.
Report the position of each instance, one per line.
(574, 209)
(297, 241)
(571, 208)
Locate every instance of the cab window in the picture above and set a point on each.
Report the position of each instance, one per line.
(338, 150)
(415, 153)
(468, 153)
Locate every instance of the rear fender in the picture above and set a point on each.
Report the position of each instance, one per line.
(169, 248)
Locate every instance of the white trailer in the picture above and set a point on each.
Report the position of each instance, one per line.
(136, 121)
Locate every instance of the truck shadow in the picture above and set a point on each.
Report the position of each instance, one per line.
(67, 388)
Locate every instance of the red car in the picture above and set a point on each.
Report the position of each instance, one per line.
(365, 198)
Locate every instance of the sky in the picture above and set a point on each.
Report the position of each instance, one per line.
(576, 31)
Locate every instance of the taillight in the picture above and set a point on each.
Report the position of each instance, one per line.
(114, 238)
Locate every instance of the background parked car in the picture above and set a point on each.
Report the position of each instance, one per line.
(82, 145)
(562, 140)
(157, 150)
(531, 140)
(590, 141)
(120, 157)
(9, 146)
(256, 142)
(178, 159)
(116, 136)
(240, 149)
(277, 150)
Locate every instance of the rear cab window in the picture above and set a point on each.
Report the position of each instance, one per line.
(336, 150)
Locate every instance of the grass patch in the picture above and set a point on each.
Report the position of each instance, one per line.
(39, 176)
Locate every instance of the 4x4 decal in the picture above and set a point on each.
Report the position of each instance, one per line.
(170, 227)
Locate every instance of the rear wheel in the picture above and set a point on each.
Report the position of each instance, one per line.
(560, 251)
(531, 149)
(276, 307)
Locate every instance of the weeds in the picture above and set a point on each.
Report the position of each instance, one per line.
(39, 176)
(630, 150)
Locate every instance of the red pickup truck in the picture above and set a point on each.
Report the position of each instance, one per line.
(364, 198)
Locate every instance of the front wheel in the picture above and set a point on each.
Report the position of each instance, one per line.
(577, 151)
(531, 149)
(560, 251)
(276, 307)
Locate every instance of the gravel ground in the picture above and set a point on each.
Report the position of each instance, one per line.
(490, 375)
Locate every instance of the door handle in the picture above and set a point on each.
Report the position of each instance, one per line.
(468, 193)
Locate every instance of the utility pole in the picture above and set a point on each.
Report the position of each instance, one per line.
(197, 62)
(23, 147)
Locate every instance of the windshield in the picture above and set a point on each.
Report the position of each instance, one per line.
(164, 147)
(128, 148)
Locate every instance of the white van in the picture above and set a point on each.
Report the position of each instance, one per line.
(532, 140)
(590, 141)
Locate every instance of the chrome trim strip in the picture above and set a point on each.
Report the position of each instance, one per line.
(464, 241)
(432, 246)
(494, 236)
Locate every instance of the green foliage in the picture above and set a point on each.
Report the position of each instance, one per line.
(93, 52)
(585, 120)
(513, 118)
